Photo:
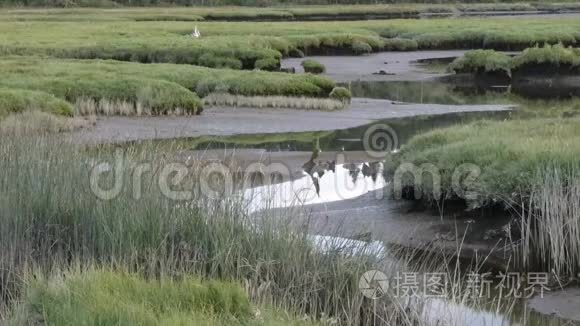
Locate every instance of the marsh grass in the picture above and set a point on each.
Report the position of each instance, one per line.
(103, 297)
(313, 66)
(550, 226)
(557, 55)
(482, 61)
(24, 112)
(268, 11)
(34, 123)
(105, 107)
(57, 230)
(20, 100)
(301, 103)
(507, 153)
(158, 96)
(545, 60)
(108, 79)
(51, 219)
(249, 46)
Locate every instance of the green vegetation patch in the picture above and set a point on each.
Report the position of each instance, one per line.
(265, 10)
(482, 33)
(482, 61)
(548, 58)
(508, 155)
(313, 66)
(198, 79)
(247, 46)
(19, 101)
(342, 94)
(108, 298)
(154, 96)
(549, 55)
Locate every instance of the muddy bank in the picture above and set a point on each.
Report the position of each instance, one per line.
(397, 66)
(224, 121)
(404, 223)
(564, 304)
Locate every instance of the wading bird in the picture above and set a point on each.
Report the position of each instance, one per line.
(195, 33)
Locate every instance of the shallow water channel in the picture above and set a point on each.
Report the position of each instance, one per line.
(331, 180)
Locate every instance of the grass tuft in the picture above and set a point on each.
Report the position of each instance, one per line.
(342, 94)
(482, 61)
(313, 66)
(550, 229)
(20, 100)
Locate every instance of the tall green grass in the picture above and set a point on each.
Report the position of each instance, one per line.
(56, 230)
(550, 229)
(51, 219)
(103, 297)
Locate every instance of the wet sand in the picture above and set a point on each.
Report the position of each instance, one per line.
(227, 121)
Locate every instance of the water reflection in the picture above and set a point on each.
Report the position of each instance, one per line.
(459, 90)
(533, 98)
(345, 182)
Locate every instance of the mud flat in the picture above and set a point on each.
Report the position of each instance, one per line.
(225, 121)
(397, 66)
